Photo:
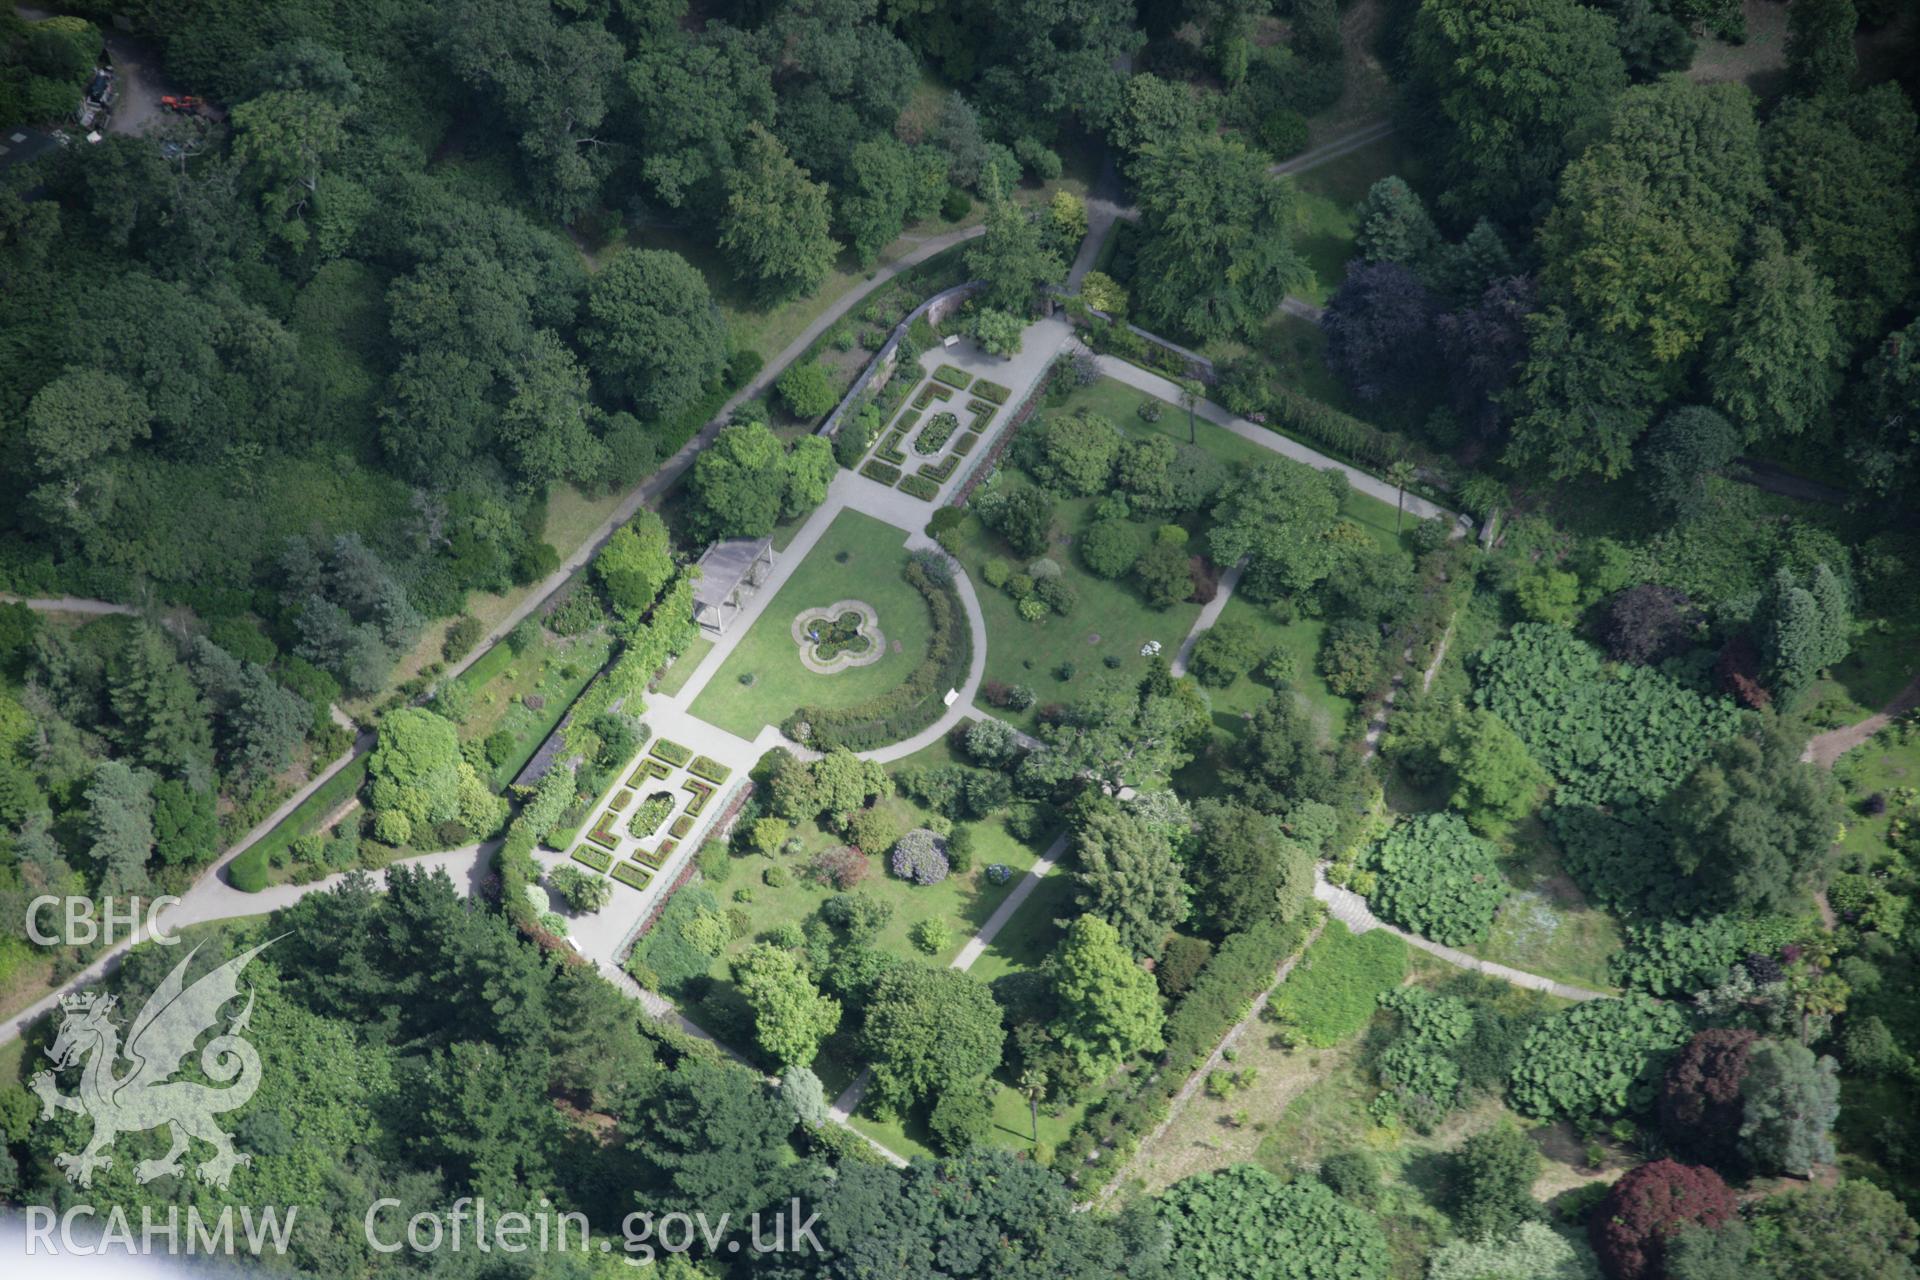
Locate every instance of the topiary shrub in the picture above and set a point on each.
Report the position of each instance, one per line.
(920, 856)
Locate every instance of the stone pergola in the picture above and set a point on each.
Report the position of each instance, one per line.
(730, 572)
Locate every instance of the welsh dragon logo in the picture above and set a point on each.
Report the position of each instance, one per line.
(145, 1096)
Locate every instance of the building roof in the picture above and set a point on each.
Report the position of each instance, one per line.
(724, 566)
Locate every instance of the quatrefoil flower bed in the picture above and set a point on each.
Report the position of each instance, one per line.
(844, 634)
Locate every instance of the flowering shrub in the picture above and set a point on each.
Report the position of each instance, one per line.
(999, 873)
(840, 867)
(920, 856)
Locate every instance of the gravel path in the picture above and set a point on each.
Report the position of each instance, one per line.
(1825, 748)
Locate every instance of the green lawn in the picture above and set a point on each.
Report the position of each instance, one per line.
(1301, 638)
(1327, 195)
(1110, 620)
(681, 669)
(857, 558)
(1545, 926)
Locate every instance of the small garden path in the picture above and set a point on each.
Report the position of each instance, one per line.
(1214, 1059)
(1825, 748)
(1351, 910)
(1209, 614)
(850, 1097)
(1374, 487)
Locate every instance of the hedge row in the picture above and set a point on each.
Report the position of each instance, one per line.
(1220, 996)
(1341, 433)
(920, 487)
(672, 752)
(709, 768)
(915, 702)
(955, 378)
(537, 817)
(992, 391)
(884, 472)
(649, 648)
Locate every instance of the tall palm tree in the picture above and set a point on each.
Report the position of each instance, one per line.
(1401, 474)
(1033, 1086)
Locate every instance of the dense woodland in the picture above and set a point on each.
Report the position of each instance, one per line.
(299, 381)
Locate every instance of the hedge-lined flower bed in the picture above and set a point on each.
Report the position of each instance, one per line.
(991, 391)
(649, 771)
(982, 414)
(931, 392)
(915, 702)
(884, 472)
(709, 768)
(955, 378)
(964, 445)
(672, 752)
(603, 833)
(647, 818)
(702, 792)
(890, 450)
(655, 858)
(939, 471)
(621, 800)
(920, 487)
(682, 827)
(593, 858)
(632, 873)
(934, 436)
(666, 849)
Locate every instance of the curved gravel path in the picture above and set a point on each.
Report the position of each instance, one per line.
(1825, 748)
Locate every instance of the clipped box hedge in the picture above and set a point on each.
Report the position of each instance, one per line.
(709, 768)
(931, 392)
(648, 771)
(632, 873)
(958, 379)
(702, 792)
(603, 833)
(884, 472)
(991, 391)
(594, 858)
(920, 487)
(672, 752)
